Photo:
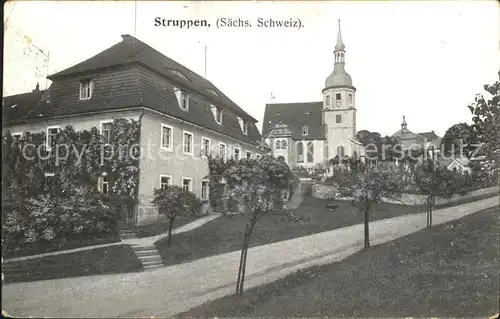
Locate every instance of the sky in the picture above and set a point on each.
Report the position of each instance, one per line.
(424, 60)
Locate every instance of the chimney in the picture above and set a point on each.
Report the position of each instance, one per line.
(127, 37)
(37, 88)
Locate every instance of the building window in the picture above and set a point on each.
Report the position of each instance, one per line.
(327, 102)
(300, 152)
(249, 155)
(106, 131)
(310, 152)
(17, 138)
(186, 184)
(340, 152)
(188, 143)
(103, 184)
(86, 88)
(52, 132)
(338, 96)
(257, 156)
(236, 154)
(222, 151)
(283, 144)
(165, 181)
(278, 144)
(339, 118)
(305, 130)
(217, 111)
(182, 99)
(166, 136)
(205, 190)
(205, 147)
(350, 98)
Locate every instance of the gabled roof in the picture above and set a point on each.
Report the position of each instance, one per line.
(132, 50)
(429, 136)
(16, 107)
(296, 115)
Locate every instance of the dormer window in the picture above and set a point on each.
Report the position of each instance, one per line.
(182, 99)
(217, 111)
(243, 125)
(86, 88)
(304, 130)
(179, 74)
(213, 92)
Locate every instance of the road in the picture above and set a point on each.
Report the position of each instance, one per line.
(170, 290)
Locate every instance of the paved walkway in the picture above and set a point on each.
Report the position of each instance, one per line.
(170, 290)
(146, 241)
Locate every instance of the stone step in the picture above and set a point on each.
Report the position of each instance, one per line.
(152, 267)
(152, 262)
(129, 236)
(145, 259)
(143, 248)
(143, 253)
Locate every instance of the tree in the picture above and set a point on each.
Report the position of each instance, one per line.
(436, 181)
(459, 139)
(486, 118)
(173, 202)
(368, 187)
(256, 187)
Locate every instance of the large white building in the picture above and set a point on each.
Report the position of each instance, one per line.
(310, 134)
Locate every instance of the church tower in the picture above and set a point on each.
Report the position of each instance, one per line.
(339, 111)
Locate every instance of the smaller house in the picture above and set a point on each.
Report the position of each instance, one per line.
(460, 165)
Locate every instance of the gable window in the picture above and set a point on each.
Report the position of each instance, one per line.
(204, 190)
(217, 111)
(182, 99)
(249, 155)
(165, 181)
(278, 144)
(304, 130)
(166, 136)
(205, 147)
(86, 88)
(188, 143)
(222, 151)
(236, 154)
(106, 127)
(52, 132)
(338, 96)
(283, 144)
(338, 118)
(186, 184)
(327, 102)
(243, 125)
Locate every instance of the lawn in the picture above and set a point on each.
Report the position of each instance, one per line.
(162, 227)
(225, 234)
(449, 270)
(112, 259)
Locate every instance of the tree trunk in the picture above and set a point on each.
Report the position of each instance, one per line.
(170, 225)
(367, 227)
(243, 260)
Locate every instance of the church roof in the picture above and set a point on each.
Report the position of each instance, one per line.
(296, 115)
(429, 136)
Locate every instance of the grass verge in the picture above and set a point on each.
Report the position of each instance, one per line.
(450, 270)
(225, 234)
(111, 259)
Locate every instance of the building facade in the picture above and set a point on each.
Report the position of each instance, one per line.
(310, 134)
(183, 117)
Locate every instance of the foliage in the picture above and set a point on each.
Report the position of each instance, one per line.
(367, 187)
(67, 203)
(217, 166)
(173, 202)
(438, 181)
(459, 139)
(256, 187)
(486, 118)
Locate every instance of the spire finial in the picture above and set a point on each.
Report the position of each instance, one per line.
(340, 45)
(403, 124)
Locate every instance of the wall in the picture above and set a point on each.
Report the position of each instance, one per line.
(325, 192)
(175, 163)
